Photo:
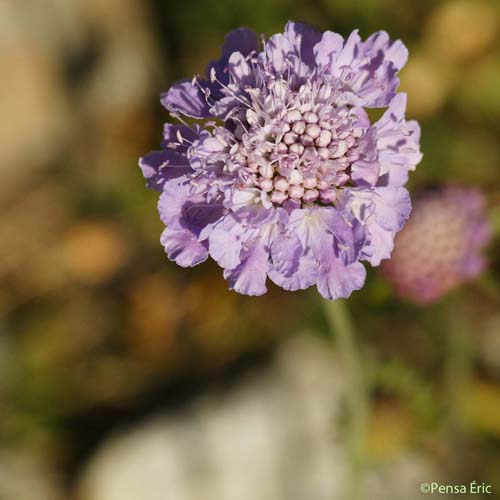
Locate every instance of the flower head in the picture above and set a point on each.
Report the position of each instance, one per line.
(283, 176)
(440, 246)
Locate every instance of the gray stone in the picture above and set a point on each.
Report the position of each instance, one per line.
(273, 437)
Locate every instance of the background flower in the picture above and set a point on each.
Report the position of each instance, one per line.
(441, 246)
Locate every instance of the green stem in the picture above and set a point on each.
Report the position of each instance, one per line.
(494, 218)
(342, 330)
(458, 364)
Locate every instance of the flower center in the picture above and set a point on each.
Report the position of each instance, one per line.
(299, 146)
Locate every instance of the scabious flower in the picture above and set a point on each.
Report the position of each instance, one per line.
(283, 176)
(440, 246)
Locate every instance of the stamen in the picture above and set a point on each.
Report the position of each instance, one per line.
(177, 116)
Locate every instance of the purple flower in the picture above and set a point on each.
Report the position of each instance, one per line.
(441, 245)
(284, 177)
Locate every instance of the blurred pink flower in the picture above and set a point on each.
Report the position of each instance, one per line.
(441, 245)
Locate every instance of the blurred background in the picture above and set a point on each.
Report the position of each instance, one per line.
(125, 377)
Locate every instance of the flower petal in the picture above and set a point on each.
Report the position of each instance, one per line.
(160, 166)
(249, 277)
(225, 244)
(180, 135)
(392, 207)
(351, 50)
(303, 277)
(381, 243)
(365, 173)
(182, 246)
(389, 206)
(240, 70)
(186, 98)
(397, 144)
(327, 50)
(286, 251)
(277, 50)
(303, 38)
(395, 51)
(182, 208)
(366, 70)
(242, 40)
(337, 281)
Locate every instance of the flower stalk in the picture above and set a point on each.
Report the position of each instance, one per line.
(458, 362)
(342, 331)
(494, 218)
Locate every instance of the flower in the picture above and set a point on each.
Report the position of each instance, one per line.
(283, 176)
(440, 246)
